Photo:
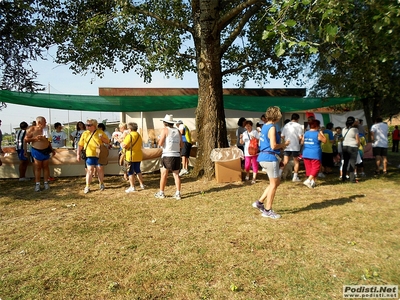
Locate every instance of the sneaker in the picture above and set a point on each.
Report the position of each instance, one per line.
(296, 179)
(51, 178)
(131, 189)
(183, 172)
(101, 185)
(313, 184)
(177, 196)
(321, 175)
(142, 186)
(46, 186)
(270, 214)
(247, 178)
(24, 179)
(253, 182)
(259, 206)
(363, 174)
(159, 195)
(307, 183)
(37, 187)
(86, 190)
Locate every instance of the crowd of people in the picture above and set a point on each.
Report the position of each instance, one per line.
(319, 147)
(90, 140)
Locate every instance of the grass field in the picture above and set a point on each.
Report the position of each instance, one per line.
(63, 244)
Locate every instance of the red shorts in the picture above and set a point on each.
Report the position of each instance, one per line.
(312, 166)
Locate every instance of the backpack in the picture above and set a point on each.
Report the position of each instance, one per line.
(253, 146)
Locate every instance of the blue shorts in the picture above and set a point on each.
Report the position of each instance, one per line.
(92, 161)
(135, 168)
(21, 155)
(39, 155)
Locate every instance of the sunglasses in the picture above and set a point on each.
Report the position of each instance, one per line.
(88, 125)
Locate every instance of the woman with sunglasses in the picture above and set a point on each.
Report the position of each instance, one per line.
(90, 141)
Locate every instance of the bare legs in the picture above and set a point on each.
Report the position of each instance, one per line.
(164, 177)
(39, 166)
(269, 193)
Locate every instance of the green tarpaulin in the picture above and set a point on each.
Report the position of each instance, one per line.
(163, 103)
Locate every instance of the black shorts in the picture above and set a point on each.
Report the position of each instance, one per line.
(185, 151)
(290, 153)
(327, 160)
(171, 163)
(379, 151)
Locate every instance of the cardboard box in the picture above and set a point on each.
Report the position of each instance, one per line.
(228, 171)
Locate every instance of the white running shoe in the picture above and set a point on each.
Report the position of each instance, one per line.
(177, 196)
(307, 183)
(183, 172)
(131, 189)
(159, 195)
(86, 190)
(296, 179)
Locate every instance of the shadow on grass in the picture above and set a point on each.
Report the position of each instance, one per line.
(325, 204)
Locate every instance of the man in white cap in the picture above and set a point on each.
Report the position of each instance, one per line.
(171, 142)
(187, 146)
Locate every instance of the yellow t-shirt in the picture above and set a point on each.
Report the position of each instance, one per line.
(363, 143)
(136, 141)
(327, 147)
(93, 148)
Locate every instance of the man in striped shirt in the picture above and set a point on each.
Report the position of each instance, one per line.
(22, 151)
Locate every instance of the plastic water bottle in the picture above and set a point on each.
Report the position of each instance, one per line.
(229, 140)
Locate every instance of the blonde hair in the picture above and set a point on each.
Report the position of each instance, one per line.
(123, 125)
(92, 121)
(273, 113)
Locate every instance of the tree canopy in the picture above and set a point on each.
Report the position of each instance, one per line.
(356, 46)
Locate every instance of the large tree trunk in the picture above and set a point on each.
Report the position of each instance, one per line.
(371, 111)
(210, 114)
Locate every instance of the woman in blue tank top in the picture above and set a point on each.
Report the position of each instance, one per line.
(270, 146)
(312, 152)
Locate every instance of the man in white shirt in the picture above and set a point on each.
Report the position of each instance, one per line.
(293, 132)
(115, 137)
(171, 142)
(380, 144)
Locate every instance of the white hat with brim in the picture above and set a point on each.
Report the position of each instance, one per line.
(169, 119)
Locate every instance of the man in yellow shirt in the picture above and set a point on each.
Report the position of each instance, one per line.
(132, 146)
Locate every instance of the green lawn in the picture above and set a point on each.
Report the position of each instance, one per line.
(62, 244)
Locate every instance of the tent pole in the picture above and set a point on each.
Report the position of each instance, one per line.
(141, 120)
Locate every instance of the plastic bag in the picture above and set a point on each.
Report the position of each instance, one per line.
(226, 154)
(253, 147)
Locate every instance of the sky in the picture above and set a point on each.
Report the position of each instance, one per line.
(58, 79)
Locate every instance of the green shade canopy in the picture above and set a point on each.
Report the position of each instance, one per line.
(163, 103)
